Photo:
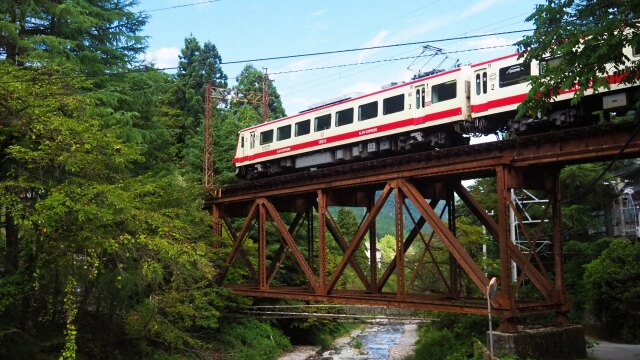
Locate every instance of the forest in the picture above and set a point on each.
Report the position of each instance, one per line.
(106, 248)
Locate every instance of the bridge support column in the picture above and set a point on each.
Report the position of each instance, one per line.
(454, 267)
(373, 247)
(542, 343)
(322, 241)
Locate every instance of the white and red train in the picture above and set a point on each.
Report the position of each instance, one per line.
(436, 111)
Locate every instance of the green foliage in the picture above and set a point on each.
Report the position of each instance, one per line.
(252, 339)
(315, 331)
(95, 36)
(250, 83)
(450, 337)
(588, 38)
(612, 284)
(578, 254)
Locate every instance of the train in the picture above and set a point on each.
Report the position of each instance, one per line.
(443, 109)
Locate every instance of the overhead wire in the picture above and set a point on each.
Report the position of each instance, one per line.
(180, 6)
(340, 75)
(333, 52)
(148, 69)
(387, 60)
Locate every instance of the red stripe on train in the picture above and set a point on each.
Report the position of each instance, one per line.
(511, 100)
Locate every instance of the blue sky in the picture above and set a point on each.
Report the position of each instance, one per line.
(251, 29)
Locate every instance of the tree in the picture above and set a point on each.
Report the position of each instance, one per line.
(250, 82)
(612, 284)
(93, 35)
(587, 39)
(199, 65)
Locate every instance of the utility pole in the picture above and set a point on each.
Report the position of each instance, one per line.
(208, 163)
(209, 180)
(212, 97)
(265, 95)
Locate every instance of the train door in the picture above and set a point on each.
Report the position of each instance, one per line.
(252, 142)
(420, 101)
(479, 104)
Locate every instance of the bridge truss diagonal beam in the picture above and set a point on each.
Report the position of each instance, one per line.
(359, 236)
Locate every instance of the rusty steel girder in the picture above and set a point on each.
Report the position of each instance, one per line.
(424, 182)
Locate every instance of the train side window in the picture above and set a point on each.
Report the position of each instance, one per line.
(393, 104)
(322, 123)
(266, 137)
(283, 133)
(242, 141)
(443, 92)
(484, 82)
(423, 98)
(513, 74)
(635, 52)
(368, 111)
(344, 117)
(418, 101)
(478, 86)
(303, 127)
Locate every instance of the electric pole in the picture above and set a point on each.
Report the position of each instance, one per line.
(265, 95)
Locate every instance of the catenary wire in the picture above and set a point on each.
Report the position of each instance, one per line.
(147, 69)
(387, 60)
(466, 37)
(180, 6)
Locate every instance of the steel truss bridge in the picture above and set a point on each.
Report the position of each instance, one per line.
(252, 219)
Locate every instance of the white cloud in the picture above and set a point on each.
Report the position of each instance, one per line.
(163, 57)
(319, 13)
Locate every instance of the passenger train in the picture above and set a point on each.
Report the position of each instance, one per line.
(436, 111)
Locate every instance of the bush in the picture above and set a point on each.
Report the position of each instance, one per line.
(612, 286)
(252, 339)
(450, 337)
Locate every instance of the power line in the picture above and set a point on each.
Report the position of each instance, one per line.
(147, 69)
(181, 6)
(466, 37)
(388, 60)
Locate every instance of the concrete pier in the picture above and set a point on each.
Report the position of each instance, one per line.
(549, 343)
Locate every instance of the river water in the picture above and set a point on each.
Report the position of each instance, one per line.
(391, 341)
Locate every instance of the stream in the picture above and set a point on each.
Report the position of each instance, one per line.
(390, 341)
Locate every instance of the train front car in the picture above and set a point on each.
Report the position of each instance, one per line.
(501, 84)
(418, 114)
